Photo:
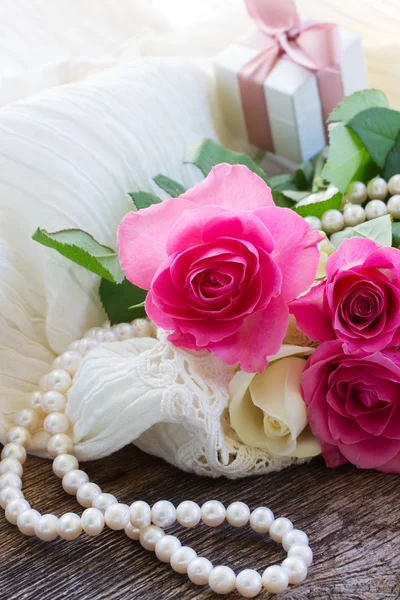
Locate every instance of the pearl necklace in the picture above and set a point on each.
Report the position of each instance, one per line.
(139, 521)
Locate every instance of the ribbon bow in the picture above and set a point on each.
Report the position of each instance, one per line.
(315, 46)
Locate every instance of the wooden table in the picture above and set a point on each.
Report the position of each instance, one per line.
(352, 518)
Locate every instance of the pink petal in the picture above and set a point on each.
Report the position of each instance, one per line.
(296, 250)
(312, 315)
(187, 231)
(240, 225)
(371, 453)
(160, 318)
(332, 455)
(351, 252)
(392, 466)
(142, 237)
(233, 187)
(260, 336)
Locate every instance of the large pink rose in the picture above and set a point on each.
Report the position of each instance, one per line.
(221, 263)
(354, 406)
(358, 302)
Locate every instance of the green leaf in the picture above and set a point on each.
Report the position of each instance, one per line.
(378, 230)
(117, 300)
(351, 105)
(144, 199)
(348, 160)
(392, 164)
(396, 235)
(82, 249)
(173, 188)
(317, 209)
(295, 195)
(207, 153)
(378, 129)
(282, 200)
(304, 175)
(283, 181)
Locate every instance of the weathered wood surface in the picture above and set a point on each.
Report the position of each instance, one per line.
(352, 518)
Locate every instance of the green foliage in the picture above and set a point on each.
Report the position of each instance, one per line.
(392, 164)
(396, 235)
(378, 230)
(351, 105)
(317, 209)
(82, 249)
(144, 199)
(117, 300)
(378, 129)
(173, 188)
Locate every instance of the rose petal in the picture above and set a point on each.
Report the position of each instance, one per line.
(296, 253)
(187, 231)
(233, 187)
(260, 336)
(312, 314)
(371, 453)
(142, 238)
(350, 253)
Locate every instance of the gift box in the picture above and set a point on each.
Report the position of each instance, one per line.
(277, 87)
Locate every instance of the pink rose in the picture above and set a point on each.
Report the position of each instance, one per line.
(221, 263)
(358, 302)
(354, 406)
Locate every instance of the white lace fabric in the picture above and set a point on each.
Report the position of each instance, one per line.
(169, 401)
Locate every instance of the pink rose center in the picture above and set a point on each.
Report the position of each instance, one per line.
(362, 306)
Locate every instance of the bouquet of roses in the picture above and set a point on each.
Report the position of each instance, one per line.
(240, 266)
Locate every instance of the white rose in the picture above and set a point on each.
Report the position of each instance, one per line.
(267, 410)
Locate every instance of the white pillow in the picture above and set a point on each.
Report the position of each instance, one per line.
(68, 157)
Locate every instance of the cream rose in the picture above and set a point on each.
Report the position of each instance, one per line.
(267, 410)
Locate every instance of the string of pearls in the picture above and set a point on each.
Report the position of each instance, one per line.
(373, 196)
(139, 521)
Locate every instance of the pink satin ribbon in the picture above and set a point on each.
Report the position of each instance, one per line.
(315, 46)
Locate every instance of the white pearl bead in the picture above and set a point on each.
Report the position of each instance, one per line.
(353, 215)
(117, 516)
(87, 493)
(19, 435)
(356, 192)
(8, 494)
(123, 331)
(10, 480)
(69, 526)
(332, 220)
(53, 401)
(302, 551)
(105, 336)
(83, 346)
(222, 580)
(132, 532)
(107, 324)
(279, 527)
(314, 223)
(11, 465)
(13, 450)
(188, 513)
(394, 185)
(199, 570)
(393, 206)
(92, 521)
(27, 418)
(56, 423)
(141, 328)
(15, 508)
(64, 463)
(34, 400)
(213, 513)
(92, 332)
(104, 501)
(238, 514)
(181, 559)
(140, 514)
(375, 209)
(57, 380)
(60, 443)
(166, 546)
(46, 528)
(27, 520)
(275, 579)
(163, 513)
(294, 538)
(296, 569)
(248, 583)
(377, 188)
(261, 519)
(70, 361)
(149, 536)
(73, 480)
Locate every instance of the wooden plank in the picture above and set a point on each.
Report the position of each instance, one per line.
(352, 518)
